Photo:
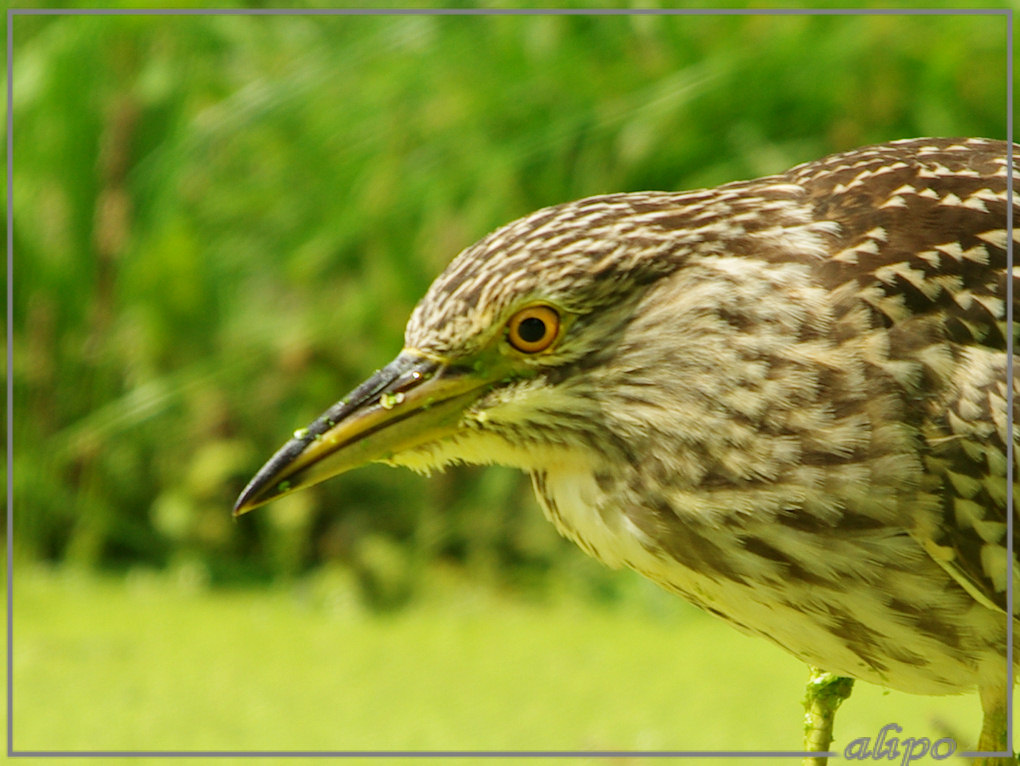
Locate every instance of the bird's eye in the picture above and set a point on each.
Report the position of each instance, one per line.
(533, 329)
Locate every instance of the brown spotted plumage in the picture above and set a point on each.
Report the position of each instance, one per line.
(783, 399)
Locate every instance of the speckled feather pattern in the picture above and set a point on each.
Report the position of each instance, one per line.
(783, 399)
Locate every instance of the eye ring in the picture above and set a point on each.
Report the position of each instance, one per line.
(533, 329)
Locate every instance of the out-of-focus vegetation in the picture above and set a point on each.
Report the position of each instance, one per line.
(221, 224)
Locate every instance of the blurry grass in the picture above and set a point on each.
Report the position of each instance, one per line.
(151, 662)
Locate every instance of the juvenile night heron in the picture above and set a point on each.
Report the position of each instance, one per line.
(784, 400)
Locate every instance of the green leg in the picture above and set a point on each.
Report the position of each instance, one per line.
(993, 730)
(825, 693)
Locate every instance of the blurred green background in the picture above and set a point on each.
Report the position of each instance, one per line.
(221, 225)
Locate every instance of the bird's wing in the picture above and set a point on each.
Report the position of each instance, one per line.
(923, 234)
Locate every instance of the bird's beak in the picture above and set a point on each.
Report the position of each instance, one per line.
(412, 401)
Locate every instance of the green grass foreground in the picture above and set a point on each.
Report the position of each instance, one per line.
(150, 662)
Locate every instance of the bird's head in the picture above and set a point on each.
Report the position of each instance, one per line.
(493, 366)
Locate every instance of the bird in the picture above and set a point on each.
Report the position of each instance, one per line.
(784, 400)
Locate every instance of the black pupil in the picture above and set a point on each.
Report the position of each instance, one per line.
(531, 330)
